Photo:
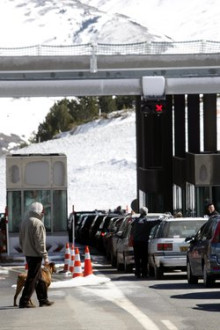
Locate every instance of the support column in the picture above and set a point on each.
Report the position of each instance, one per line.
(210, 122)
(167, 156)
(194, 123)
(154, 157)
(179, 139)
(179, 126)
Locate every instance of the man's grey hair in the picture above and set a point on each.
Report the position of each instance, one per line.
(144, 210)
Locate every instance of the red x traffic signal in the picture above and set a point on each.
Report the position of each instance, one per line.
(153, 106)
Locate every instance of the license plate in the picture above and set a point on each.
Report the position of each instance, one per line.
(183, 248)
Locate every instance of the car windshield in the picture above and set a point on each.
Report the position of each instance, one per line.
(182, 228)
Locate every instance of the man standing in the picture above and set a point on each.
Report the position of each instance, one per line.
(32, 238)
(211, 210)
(140, 231)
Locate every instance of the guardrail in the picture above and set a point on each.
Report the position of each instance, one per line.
(139, 48)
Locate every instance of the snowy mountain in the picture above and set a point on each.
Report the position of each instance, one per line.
(108, 21)
(101, 161)
(67, 22)
(10, 142)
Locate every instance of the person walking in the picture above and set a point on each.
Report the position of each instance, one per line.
(32, 239)
(140, 232)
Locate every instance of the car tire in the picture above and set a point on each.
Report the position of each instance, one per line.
(127, 267)
(113, 260)
(158, 272)
(207, 279)
(190, 277)
(151, 270)
(119, 265)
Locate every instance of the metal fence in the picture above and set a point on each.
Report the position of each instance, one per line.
(139, 48)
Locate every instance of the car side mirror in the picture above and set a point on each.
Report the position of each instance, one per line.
(190, 239)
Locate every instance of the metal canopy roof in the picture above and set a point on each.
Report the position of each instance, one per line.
(45, 76)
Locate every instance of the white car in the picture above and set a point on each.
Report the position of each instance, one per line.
(167, 246)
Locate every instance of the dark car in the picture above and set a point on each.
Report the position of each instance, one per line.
(94, 227)
(108, 235)
(78, 223)
(102, 231)
(124, 246)
(112, 240)
(84, 228)
(78, 220)
(203, 255)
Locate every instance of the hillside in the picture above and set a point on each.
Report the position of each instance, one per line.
(101, 160)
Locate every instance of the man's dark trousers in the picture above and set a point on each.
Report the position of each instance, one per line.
(141, 258)
(34, 281)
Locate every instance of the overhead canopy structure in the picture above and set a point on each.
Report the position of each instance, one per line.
(86, 75)
(162, 159)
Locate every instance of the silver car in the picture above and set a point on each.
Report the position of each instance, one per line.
(167, 247)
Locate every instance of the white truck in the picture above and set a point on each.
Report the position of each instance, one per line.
(42, 178)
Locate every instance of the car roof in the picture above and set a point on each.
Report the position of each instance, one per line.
(215, 216)
(153, 215)
(186, 219)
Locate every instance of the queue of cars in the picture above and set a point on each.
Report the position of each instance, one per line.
(186, 244)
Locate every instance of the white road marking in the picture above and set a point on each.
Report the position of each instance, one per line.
(117, 297)
(169, 325)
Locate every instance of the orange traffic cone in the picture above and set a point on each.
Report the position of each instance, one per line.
(67, 258)
(72, 259)
(87, 263)
(77, 264)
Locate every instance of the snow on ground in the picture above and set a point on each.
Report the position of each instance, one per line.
(79, 281)
(38, 22)
(101, 163)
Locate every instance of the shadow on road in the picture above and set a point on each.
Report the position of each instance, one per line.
(208, 307)
(198, 295)
(3, 308)
(207, 295)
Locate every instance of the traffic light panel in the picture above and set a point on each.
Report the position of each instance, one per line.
(153, 107)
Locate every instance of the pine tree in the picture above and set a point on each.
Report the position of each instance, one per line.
(107, 104)
(125, 102)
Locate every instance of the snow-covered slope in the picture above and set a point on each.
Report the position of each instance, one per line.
(58, 22)
(66, 22)
(101, 160)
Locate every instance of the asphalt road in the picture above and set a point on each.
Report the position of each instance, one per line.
(121, 302)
